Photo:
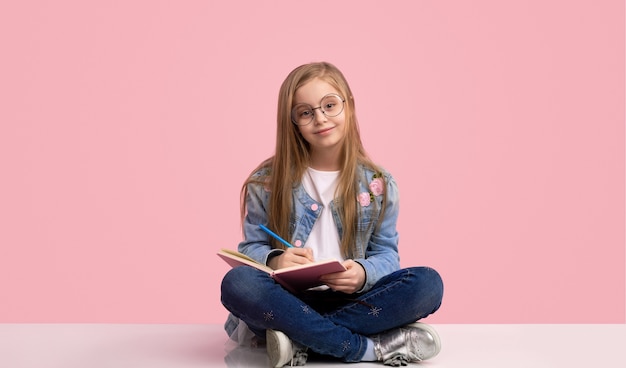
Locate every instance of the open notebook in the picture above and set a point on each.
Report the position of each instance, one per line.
(292, 278)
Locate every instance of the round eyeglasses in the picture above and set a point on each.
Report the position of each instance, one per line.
(331, 105)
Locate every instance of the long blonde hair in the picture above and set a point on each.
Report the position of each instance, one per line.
(291, 158)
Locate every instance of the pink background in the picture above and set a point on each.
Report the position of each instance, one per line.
(127, 128)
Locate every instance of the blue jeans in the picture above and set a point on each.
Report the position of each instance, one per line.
(327, 322)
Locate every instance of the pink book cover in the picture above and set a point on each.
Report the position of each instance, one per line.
(292, 278)
(306, 276)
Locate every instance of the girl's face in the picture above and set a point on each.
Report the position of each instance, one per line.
(324, 134)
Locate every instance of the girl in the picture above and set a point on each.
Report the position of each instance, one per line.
(322, 193)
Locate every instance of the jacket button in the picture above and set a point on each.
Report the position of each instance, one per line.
(314, 206)
(298, 243)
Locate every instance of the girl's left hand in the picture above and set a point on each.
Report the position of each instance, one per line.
(349, 281)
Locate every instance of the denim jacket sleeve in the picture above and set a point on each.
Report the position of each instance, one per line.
(381, 257)
(256, 243)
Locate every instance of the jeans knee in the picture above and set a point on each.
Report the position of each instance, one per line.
(436, 281)
(236, 282)
(430, 285)
(246, 286)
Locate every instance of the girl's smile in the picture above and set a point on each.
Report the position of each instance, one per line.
(324, 131)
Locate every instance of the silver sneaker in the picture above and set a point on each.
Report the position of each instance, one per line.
(282, 351)
(410, 343)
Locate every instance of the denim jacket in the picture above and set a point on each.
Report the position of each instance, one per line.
(376, 239)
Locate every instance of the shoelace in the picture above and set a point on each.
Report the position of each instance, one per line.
(397, 360)
(299, 358)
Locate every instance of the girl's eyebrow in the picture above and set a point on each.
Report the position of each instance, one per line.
(296, 102)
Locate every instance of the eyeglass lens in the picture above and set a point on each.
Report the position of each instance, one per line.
(331, 106)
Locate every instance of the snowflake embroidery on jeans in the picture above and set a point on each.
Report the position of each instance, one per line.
(268, 316)
(305, 309)
(375, 311)
(345, 345)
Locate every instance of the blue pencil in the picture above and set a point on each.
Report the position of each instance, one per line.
(270, 232)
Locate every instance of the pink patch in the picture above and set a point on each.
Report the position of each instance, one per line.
(376, 186)
(364, 199)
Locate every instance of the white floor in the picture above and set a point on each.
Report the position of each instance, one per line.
(187, 346)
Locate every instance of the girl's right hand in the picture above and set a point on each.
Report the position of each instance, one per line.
(292, 257)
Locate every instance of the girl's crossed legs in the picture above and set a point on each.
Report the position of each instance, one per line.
(327, 322)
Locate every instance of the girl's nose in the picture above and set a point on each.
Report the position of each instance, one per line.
(319, 115)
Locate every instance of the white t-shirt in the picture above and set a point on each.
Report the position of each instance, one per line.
(324, 237)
